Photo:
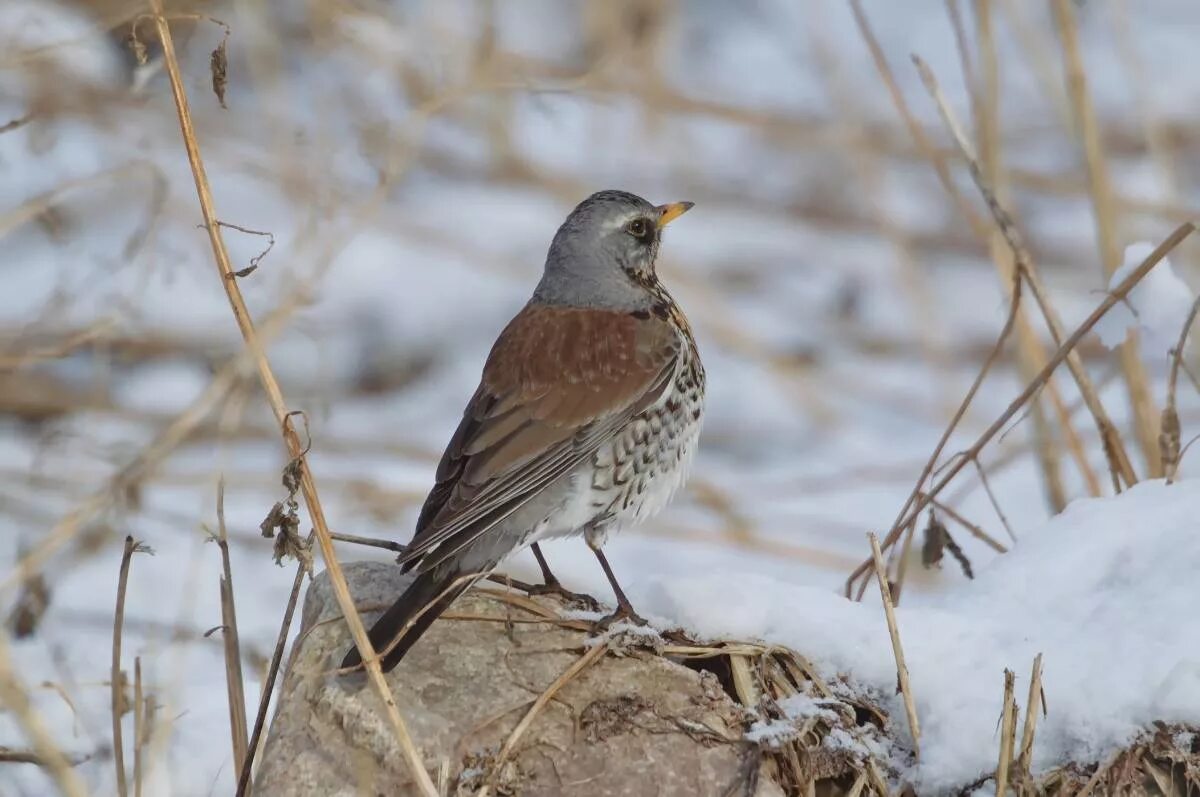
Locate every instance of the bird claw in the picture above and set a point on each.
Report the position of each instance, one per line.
(623, 613)
(556, 588)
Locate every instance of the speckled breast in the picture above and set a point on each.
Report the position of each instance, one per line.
(635, 476)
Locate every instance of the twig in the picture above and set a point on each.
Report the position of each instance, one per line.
(1100, 191)
(116, 676)
(13, 124)
(885, 593)
(1113, 446)
(268, 687)
(15, 699)
(370, 542)
(987, 488)
(1170, 434)
(234, 683)
(279, 407)
(973, 529)
(1032, 707)
(511, 742)
(1008, 731)
(139, 725)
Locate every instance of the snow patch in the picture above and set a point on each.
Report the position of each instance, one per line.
(1157, 306)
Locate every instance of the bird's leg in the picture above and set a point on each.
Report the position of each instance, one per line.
(624, 607)
(549, 580)
(552, 586)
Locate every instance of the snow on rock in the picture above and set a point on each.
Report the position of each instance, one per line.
(1106, 591)
(1157, 306)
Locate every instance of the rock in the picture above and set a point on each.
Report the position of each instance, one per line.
(634, 724)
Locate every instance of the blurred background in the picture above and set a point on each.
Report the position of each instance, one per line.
(406, 164)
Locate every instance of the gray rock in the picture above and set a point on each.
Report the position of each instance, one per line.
(633, 724)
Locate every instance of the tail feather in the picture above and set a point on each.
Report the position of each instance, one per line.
(435, 589)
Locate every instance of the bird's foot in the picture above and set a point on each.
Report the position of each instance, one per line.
(623, 614)
(554, 587)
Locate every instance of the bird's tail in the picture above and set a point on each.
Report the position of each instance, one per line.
(411, 615)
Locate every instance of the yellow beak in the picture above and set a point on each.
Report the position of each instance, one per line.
(668, 213)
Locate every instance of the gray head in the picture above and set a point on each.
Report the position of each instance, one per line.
(603, 254)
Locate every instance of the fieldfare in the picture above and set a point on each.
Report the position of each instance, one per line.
(586, 418)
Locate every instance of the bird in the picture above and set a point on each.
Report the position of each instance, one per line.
(586, 419)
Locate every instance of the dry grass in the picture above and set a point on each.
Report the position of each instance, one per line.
(885, 594)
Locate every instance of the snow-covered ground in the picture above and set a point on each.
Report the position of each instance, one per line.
(842, 308)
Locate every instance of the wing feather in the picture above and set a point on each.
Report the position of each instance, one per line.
(558, 384)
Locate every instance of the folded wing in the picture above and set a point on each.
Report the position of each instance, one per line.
(558, 384)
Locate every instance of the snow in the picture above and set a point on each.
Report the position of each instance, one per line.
(1158, 305)
(1105, 591)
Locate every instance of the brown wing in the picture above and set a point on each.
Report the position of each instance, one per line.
(558, 384)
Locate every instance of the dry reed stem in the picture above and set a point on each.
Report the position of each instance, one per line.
(139, 725)
(1100, 190)
(279, 407)
(1030, 349)
(970, 454)
(1031, 354)
(234, 683)
(116, 679)
(1170, 434)
(910, 709)
(1008, 730)
(15, 699)
(1032, 706)
(510, 743)
(1113, 446)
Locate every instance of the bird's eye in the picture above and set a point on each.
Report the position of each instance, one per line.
(638, 228)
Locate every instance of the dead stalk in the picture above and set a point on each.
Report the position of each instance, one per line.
(885, 593)
(1008, 730)
(116, 677)
(234, 683)
(279, 407)
(1100, 191)
(1032, 707)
